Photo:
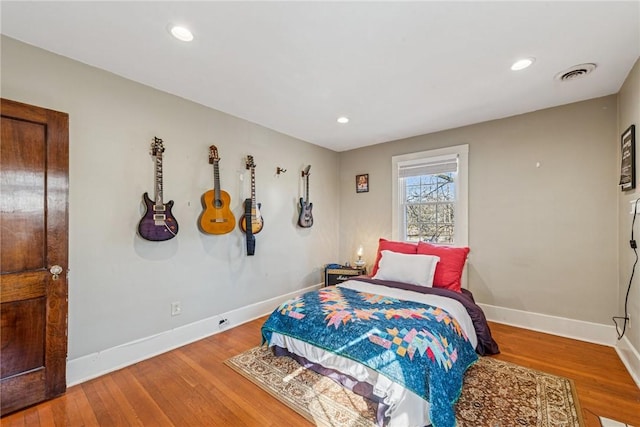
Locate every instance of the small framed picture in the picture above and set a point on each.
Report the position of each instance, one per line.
(362, 183)
(628, 164)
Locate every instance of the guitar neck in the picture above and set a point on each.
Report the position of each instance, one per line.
(253, 193)
(216, 180)
(158, 192)
(307, 191)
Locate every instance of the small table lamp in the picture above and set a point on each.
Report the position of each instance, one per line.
(360, 262)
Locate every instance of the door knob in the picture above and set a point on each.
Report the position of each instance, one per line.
(55, 270)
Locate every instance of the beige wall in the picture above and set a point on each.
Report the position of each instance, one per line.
(120, 286)
(629, 113)
(543, 239)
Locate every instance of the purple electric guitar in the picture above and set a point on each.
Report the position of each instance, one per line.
(158, 223)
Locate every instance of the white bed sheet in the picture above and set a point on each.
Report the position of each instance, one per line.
(406, 409)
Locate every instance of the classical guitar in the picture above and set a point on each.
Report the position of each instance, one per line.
(158, 223)
(251, 222)
(305, 220)
(216, 218)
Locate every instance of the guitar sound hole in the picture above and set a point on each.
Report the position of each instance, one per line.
(217, 204)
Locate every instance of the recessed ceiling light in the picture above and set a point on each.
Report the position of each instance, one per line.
(343, 120)
(181, 33)
(522, 64)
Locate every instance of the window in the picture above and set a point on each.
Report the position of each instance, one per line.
(430, 196)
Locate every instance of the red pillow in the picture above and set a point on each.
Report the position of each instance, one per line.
(393, 246)
(449, 269)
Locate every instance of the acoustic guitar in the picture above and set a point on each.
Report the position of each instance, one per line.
(305, 220)
(157, 223)
(251, 222)
(216, 218)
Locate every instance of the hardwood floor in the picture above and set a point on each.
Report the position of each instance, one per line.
(191, 386)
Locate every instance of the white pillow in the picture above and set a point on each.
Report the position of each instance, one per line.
(407, 268)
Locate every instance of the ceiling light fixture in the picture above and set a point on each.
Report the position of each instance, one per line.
(343, 120)
(521, 64)
(181, 33)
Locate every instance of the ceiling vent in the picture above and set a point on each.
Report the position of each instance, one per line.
(575, 72)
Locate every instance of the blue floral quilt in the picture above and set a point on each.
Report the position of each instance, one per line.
(416, 345)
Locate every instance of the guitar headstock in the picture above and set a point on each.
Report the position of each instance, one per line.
(306, 172)
(213, 154)
(156, 147)
(250, 164)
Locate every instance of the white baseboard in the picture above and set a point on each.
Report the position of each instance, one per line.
(94, 365)
(630, 357)
(570, 328)
(577, 329)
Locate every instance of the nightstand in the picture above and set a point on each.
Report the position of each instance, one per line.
(334, 275)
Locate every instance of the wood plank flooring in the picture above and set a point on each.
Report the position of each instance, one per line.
(191, 386)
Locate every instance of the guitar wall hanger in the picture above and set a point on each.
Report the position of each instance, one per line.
(280, 170)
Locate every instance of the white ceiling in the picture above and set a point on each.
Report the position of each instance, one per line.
(396, 69)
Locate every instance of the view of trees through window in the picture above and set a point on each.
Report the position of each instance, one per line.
(429, 206)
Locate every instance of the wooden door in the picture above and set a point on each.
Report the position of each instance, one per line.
(34, 166)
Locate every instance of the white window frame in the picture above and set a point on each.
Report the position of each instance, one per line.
(461, 221)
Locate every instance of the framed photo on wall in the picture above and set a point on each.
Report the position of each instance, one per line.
(628, 163)
(362, 183)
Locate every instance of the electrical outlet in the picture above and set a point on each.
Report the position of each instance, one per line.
(223, 323)
(176, 308)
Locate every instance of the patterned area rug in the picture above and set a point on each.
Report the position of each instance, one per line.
(495, 393)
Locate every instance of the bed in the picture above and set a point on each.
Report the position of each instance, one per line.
(404, 344)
